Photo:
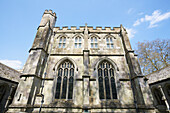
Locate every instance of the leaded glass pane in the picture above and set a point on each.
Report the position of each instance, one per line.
(70, 91)
(108, 46)
(76, 40)
(111, 40)
(95, 45)
(65, 72)
(91, 40)
(101, 89)
(63, 45)
(57, 95)
(75, 45)
(64, 89)
(100, 72)
(107, 40)
(111, 45)
(107, 88)
(114, 93)
(111, 72)
(105, 72)
(79, 40)
(95, 40)
(91, 45)
(60, 72)
(59, 45)
(79, 45)
(72, 72)
(60, 40)
(64, 40)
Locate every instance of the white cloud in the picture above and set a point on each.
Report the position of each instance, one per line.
(16, 64)
(131, 32)
(153, 19)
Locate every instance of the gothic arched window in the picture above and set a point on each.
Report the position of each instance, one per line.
(62, 42)
(78, 42)
(106, 80)
(94, 42)
(65, 79)
(109, 42)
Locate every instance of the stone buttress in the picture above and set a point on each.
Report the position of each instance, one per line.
(33, 70)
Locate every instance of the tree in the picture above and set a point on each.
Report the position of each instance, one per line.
(153, 55)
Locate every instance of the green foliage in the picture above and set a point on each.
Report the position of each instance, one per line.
(153, 55)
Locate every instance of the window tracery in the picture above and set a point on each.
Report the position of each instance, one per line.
(106, 80)
(65, 79)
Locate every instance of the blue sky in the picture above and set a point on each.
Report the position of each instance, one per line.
(144, 20)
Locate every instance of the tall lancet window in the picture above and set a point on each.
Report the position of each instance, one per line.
(106, 80)
(65, 79)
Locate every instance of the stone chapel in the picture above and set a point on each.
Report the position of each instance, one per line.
(81, 69)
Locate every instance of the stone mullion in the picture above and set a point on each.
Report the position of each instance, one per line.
(73, 80)
(104, 83)
(61, 87)
(110, 83)
(68, 78)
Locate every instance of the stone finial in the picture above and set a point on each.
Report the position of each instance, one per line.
(86, 31)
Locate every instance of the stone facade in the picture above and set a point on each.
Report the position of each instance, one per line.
(159, 83)
(81, 70)
(9, 79)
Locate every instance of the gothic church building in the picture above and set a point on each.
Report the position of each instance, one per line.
(81, 70)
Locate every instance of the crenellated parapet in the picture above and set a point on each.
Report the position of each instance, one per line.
(74, 29)
(50, 12)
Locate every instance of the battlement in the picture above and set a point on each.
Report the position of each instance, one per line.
(91, 29)
(50, 12)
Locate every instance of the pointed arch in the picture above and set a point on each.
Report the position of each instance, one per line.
(98, 61)
(109, 35)
(106, 79)
(63, 35)
(64, 59)
(94, 35)
(65, 73)
(78, 34)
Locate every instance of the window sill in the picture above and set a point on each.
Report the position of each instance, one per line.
(109, 100)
